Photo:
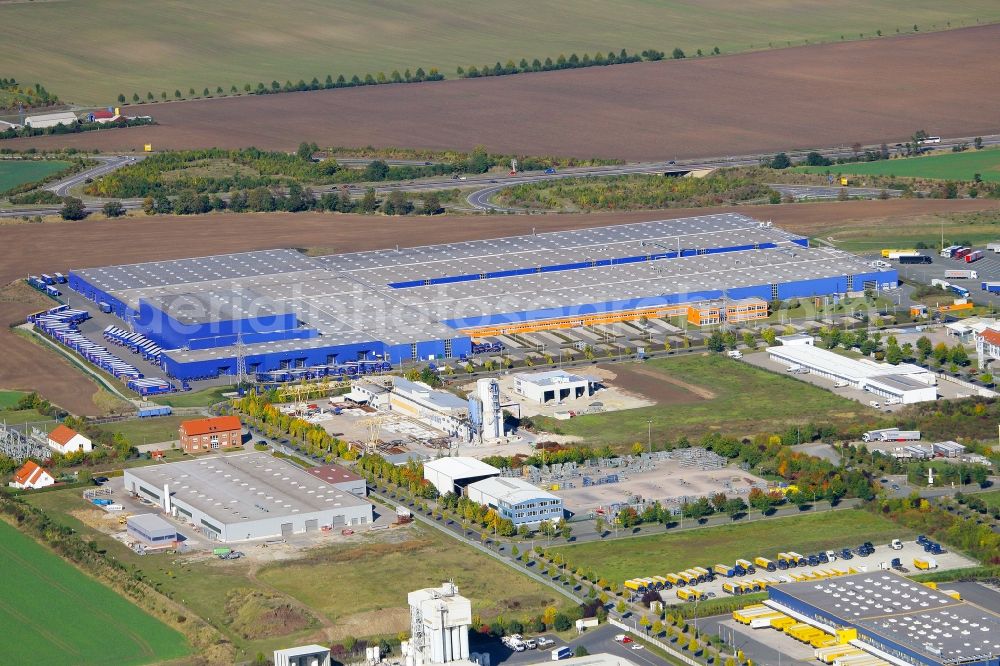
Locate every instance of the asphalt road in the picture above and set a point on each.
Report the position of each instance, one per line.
(488, 185)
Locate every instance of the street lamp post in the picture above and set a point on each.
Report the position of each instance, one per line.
(649, 435)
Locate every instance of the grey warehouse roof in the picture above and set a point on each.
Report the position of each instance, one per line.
(245, 486)
(348, 300)
(905, 612)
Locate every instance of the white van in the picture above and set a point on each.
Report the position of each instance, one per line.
(734, 353)
(875, 403)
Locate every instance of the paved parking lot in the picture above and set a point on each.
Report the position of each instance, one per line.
(883, 553)
(987, 269)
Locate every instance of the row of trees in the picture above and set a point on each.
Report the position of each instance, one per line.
(977, 540)
(73, 128)
(17, 95)
(574, 61)
(313, 439)
(296, 199)
(274, 87)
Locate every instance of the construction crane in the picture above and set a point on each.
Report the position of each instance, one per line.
(374, 425)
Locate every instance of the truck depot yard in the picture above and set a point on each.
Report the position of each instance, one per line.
(62, 617)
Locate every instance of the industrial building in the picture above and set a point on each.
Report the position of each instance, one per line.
(894, 619)
(44, 120)
(341, 478)
(279, 309)
(246, 496)
(553, 386)
(439, 409)
(486, 411)
(904, 383)
(150, 530)
(303, 655)
(439, 626)
(452, 475)
(516, 500)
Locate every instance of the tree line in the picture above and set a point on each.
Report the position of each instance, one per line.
(574, 61)
(73, 128)
(275, 87)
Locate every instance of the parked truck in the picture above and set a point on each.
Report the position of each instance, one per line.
(960, 274)
(724, 570)
(915, 259)
(992, 287)
(765, 563)
(925, 563)
(950, 251)
(961, 253)
(975, 255)
(891, 435)
(993, 247)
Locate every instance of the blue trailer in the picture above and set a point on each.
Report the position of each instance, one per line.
(156, 410)
(961, 291)
(991, 287)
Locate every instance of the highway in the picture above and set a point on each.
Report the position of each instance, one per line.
(485, 186)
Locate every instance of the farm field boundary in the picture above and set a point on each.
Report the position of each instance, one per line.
(64, 617)
(244, 41)
(789, 99)
(943, 166)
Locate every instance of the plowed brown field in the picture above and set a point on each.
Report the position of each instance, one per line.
(835, 94)
(33, 248)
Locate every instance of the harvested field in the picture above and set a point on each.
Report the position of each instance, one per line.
(174, 45)
(38, 248)
(791, 98)
(656, 386)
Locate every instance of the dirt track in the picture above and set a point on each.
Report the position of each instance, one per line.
(835, 94)
(32, 248)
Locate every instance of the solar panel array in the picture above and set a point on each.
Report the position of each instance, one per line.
(347, 297)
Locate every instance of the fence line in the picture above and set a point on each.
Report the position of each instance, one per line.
(658, 643)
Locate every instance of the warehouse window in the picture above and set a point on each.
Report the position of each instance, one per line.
(149, 492)
(217, 530)
(774, 292)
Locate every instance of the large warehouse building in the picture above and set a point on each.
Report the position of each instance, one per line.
(452, 475)
(905, 382)
(895, 619)
(245, 496)
(286, 310)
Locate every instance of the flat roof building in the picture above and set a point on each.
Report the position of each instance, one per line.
(293, 311)
(342, 478)
(905, 383)
(43, 120)
(439, 409)
(246, 496)
(303, 655)
(552, 386)
(516, 500)
(150, 530)
(901, 621)
(451, 475)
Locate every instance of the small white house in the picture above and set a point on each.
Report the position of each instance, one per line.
(66, 440)
(31, 475)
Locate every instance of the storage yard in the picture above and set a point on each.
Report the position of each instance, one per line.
(669, 477)
(281, 312)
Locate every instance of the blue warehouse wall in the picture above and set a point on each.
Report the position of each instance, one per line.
(81, 286)
(169, 333)
(808, 288)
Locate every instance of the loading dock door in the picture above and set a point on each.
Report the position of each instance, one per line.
(286, 529)
(338, 520)
(312, 525)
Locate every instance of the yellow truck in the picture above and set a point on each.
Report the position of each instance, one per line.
(690, 594)
(764, 563)
(925, 563)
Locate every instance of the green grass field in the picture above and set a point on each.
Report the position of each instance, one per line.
(187, 44)
(425, 561)
(18, 172)
(147, 431)
(871, 235)
(777, 401)
(202, 398)
(991, 498)
(9, 399)
(53, 614)
(942, 166)
(19, 416)
(664, 553)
